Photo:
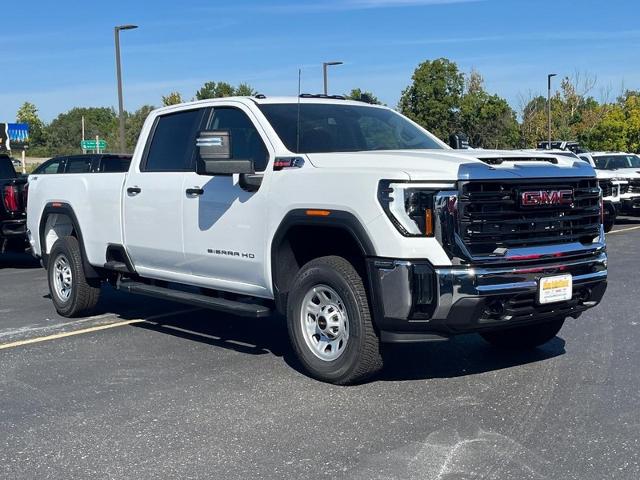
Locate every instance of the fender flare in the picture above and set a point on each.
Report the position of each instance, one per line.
(336, 219)
(60, 208)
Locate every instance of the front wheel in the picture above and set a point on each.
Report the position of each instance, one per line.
(526, 337)
(71, 293)
(330, 324)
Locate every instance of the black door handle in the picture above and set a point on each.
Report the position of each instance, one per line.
(134, 190)
(195, 191)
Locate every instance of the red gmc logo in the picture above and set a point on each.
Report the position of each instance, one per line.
(546, 197)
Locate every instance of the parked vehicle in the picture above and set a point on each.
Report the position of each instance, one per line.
(85, 163)
(625, 166)
(12, 207)
(354, 222)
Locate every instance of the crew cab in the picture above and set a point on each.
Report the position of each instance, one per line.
(624, 167)
(355, 223)
(12, 206)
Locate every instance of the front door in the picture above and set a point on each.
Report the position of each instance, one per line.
(224, 225)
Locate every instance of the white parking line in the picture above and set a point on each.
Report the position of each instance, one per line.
(56, 336)
(623, 230)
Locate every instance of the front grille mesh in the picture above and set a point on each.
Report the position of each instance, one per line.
(490, 215)
(607, 188)
(634, 186)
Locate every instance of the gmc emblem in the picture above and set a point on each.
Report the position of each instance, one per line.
(537, 198)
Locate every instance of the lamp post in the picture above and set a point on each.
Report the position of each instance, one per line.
(119, 77)
(324, 73)
(549, 77)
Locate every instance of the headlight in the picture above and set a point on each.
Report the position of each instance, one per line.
(409, 206)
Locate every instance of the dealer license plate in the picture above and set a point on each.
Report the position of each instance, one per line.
(558, 288)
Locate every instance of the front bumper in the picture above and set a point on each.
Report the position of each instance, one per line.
(13, 228)
(630, 206)
(415, 301)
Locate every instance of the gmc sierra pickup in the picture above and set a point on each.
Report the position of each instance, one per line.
(352, 221)
(12, 207)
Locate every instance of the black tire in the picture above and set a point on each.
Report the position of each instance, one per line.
(609, 217)
(361, 356)
(526, 337)
(83, 296)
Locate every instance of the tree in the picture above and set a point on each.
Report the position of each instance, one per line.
(134, 123)
(245, 90)
(488, 120)
(433, 98)
(28, 113)
(363, 96)
(173, 98)
(215, 90)
(65, 131)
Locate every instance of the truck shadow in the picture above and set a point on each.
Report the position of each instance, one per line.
(18, 260)
(461, 356)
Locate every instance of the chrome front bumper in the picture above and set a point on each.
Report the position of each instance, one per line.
(414, 296)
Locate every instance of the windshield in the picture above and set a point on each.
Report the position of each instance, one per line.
(613, 162)
(344, 128)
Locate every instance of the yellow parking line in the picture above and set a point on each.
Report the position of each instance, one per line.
(623, 230)
(28, 341)
(56, 336)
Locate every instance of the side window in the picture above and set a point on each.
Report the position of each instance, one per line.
(246, 143)
(114, 163)
(172, 146)
(51, 166)
(78, 165)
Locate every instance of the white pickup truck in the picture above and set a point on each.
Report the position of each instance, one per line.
(352, 221)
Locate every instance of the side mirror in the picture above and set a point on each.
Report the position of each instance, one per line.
(214, 155)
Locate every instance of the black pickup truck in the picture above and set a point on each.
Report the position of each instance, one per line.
(13, 216)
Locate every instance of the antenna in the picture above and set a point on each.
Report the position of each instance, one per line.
(298, 119)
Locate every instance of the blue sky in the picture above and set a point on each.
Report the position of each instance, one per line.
(60, 54)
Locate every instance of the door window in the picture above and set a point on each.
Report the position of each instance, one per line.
(172, 146)
(246, 143)
(78, 164)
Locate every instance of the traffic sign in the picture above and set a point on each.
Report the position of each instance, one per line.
(91, 145)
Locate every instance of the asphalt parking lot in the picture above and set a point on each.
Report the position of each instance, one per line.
(152, 389)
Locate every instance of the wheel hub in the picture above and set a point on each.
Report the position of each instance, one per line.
(325, 324)
(62, 278)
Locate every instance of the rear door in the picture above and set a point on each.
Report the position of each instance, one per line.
(153, 193)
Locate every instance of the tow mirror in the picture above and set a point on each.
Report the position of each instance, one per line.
(214, 155)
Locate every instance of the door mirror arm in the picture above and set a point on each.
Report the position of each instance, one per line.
(250, 182)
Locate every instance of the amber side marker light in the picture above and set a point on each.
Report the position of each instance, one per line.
(428, 222)
(318, 213)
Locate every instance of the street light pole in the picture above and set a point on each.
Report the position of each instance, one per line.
(324, 74)
(119, 78)
(549, 77)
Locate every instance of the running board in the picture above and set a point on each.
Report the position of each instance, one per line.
(221, 304)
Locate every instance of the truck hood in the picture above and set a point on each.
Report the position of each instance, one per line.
(453, 164)
(623, 172)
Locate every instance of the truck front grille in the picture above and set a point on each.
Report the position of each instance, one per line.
(491, 215)
(634, 186)
(607, 188)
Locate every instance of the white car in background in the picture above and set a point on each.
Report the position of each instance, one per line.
(625, 167)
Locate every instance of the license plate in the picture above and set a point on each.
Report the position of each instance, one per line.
(555, 289)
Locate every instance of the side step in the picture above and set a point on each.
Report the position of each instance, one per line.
(116, 266)
(221, 304)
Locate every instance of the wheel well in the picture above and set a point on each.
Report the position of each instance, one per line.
(303, 243)
(57, 225)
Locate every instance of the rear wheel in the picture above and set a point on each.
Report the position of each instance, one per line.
(330, 324)
(526, 337)
(71, 293)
